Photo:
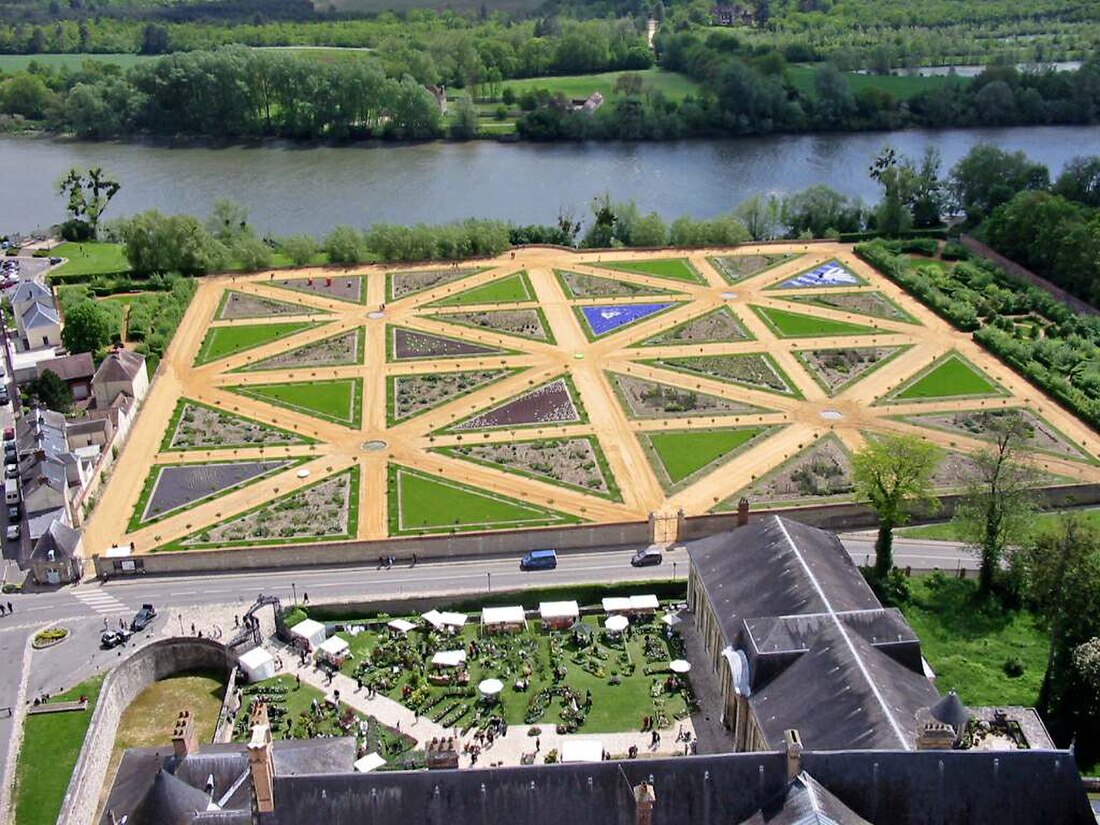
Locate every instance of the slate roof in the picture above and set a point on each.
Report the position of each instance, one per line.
(40, 314)
(58, 543)
(28, 291)
(69, 367)
(120, 365)
(805, 802)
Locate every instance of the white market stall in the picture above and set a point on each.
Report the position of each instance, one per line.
(559, 615)
(616, 604)
(369, 763)
(310, 631)
(643, 604)
(490, 689)
(449, 668)
(581, 750)
(334, 650)
(401, 625)
(449, 658)
(257, 664)
(680, 666)
(616, 624)
(503, 619)
(455, 621)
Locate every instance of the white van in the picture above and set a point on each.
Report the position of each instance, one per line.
(11, 491)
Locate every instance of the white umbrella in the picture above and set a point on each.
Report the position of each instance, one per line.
(679, 666)
(671, 619)
(616, 624)
(490, 687)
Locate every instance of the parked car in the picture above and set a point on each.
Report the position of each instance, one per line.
(647, 557)
(55, 261)
(13, 512)
(143, 618)
(13, 532)
(11, 471)
(114, 638)
(9, 433)
(4, 398)
(539, 560)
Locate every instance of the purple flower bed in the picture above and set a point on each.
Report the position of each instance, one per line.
(548, 404)
(409, 345)
(181, 486)
(604, 319)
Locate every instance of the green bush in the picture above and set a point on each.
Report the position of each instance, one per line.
(954, 251)
(920, 246)
(1013, 667)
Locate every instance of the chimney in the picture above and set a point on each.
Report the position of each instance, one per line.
(742, 512)
(644, 800)
(935, 736)
(794, 753)
(261, 766)
(183, 735)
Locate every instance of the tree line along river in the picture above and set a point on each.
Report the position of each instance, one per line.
(290, 188)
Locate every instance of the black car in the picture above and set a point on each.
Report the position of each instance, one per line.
(647, 557)
(13, 512)
(143, 618)
(114, 638)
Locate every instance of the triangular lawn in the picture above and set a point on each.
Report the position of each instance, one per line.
(421, 503)
(573, 463)
(349, 288)
(755, 370)
(870, 304)
(952, 376)
(821, 472)
(236, 304)
(197, 426)
(735, 268)
(326, 510)
(513, 289)
(408, 396)
(412, 345)
(403, 284)
(836, 369)
(553, 403)
(680, 454)
(529, 323)
(788, 324)
(335, 351)
(222, 342)
(643, 398)
(717, 326)
(674, 269)
(578, 285)
(604, 319)
(339, 400)
(825, 275)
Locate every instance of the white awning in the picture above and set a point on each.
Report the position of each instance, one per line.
(453, 619)
(257, 664)
(368, 763)
(503, 615)
(671, 619)
(434, 618)
(310, 630)
(334, 646)
(581, 750)
(648, 602)
(401, 625)
(616, 604)
(449, 658)
(559, 610)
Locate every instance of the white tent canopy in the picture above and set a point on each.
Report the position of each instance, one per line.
(616, 604)
(581, 750)
(671, 619)
(616, 624)
(368, 763)
(559, 610)
(502, 615)
(310, 630)
(648, 602)
(453, 619)
(449, 658)
(334, 646)
(257, 664)
(490, 687)
(434, 618)
(401, 625)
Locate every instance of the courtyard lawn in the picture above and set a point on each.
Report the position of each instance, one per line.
(953, 376)
(674, 86)
(796, 325)
(421, 503)
(513, 289)
(675, 269)
(967, 645)
(221, 342)
(1040, 523)
(625, 683)
(89, 258)
(688, 451)
(339, 401)
(51, 746)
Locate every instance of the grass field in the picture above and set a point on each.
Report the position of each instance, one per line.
(968, 645)
(902, 87)
(796, 325)
(675, 269)
(51, 746)
(688, 451)
(949, 531)
(340, 401)
(90, 258)
(221, 342)
(953, 377)
(73, 62)
(513, 289)
(672, 85)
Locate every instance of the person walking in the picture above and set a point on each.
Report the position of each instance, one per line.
(305, 598)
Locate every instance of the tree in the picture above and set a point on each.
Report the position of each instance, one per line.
(345, 245)
(602, 231)
(251, 253)
(156, 244)
(88, 193)
(988, 177)
(894, 474)
(51, 391)
(820, 211)
(301, 249)
(228, 220)
(835, 100)
(1080, 180)
(87, 328)
(996, 509)
(464, 126)
(760, 215)
(25, 94)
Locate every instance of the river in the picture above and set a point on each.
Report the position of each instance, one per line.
(310, 189)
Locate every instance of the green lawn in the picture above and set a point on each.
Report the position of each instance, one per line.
(796, 325)
(89, 258)
(421, 503)
(687, 451)
(513, 289)
(674, 86)
(949, 531)
(51, 746)
(339, 401)
(953, 376)
(676, 269)
(73, 62)
(901, 87)
(968, 645)
(221, 342)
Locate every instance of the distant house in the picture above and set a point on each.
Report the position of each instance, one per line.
(27, 294)
(122, 373)
(74, 370)
(588, 104)
(733, 15)
(57, 557)
(39, 326)
(440, 95)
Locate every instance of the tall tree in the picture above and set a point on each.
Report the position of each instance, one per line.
(996, 509)
(51, 391)
(894, 474)
(761, 216)
(87, 328)
(988, 177)
(88, 194)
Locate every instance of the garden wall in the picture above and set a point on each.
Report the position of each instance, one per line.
(154, 662)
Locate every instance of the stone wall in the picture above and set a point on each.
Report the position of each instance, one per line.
(154, 662)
